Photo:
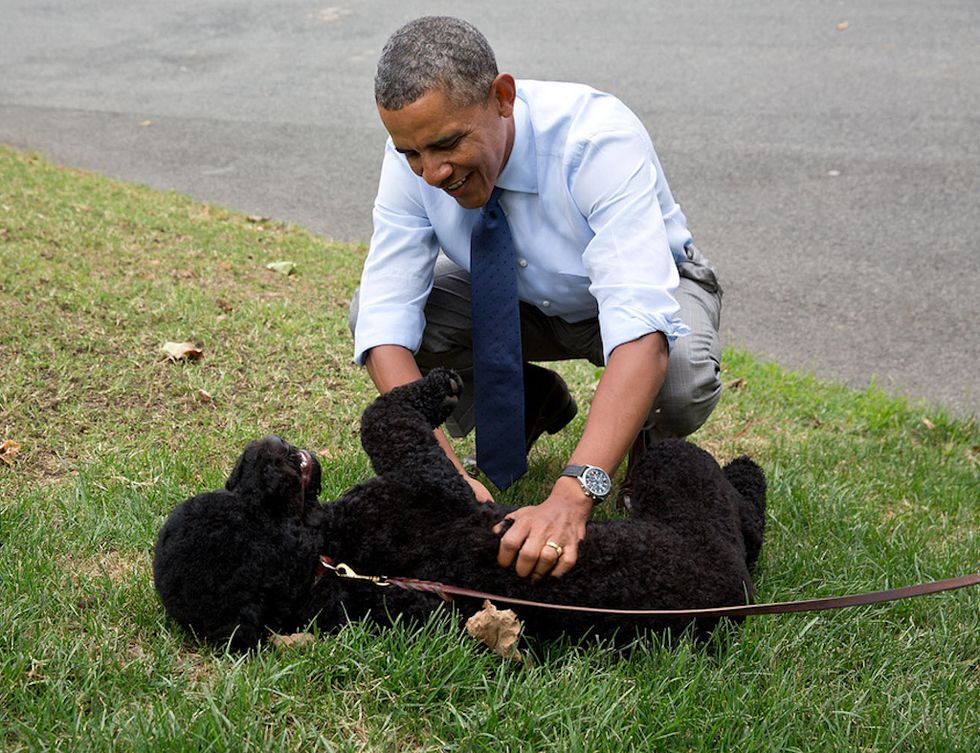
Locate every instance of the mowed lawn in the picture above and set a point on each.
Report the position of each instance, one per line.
(102, 436)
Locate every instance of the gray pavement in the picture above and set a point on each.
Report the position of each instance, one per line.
(832, 174)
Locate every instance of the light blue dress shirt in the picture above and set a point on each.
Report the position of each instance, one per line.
(596, 229)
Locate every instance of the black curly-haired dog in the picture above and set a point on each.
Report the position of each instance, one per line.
(237, 564)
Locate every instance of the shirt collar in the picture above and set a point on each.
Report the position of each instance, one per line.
(521, 171)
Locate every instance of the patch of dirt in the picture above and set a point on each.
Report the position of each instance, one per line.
(117, 566)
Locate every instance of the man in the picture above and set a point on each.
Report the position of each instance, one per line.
(604, 265)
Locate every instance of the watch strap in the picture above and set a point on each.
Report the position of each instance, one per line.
(573, 470)
(578, 471)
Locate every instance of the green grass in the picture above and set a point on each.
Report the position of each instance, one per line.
(867, 492)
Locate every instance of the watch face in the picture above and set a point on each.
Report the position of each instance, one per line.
(596, 481)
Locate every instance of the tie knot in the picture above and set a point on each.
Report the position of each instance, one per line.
(492, 208)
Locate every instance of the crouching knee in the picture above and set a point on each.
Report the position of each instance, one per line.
(684, 404)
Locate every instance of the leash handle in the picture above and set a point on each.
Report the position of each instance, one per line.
(447, 591)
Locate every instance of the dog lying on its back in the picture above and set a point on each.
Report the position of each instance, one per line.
(237, 564)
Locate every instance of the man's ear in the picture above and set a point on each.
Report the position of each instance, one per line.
(503, 92)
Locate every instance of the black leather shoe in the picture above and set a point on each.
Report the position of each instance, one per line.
(548, 405)
(624, 497)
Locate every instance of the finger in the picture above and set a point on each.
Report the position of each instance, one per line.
(503, 526)
(511, 543)
(481, 492)
(566, 562)
(547, 559)
(529, 556)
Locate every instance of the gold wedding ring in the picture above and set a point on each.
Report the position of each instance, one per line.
(555, 546)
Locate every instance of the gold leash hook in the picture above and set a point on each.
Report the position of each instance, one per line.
(346, 571)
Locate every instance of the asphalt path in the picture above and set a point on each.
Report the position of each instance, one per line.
(827, 155)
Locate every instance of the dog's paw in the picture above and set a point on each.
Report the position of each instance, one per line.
(441, 391)
(435, 396)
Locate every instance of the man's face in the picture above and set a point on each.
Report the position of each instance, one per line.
(460, 149)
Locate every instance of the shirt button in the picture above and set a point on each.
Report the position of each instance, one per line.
(522, 263)
(545, 303)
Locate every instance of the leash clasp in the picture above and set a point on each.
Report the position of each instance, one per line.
(343, 570)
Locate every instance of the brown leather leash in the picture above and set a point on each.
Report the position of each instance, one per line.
(743, 610)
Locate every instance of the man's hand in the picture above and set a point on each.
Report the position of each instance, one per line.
(560, 519)
(630, 382)
(481, 492)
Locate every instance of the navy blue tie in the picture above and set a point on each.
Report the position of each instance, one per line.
(498, 370)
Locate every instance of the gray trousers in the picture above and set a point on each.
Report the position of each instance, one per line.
(689, 393)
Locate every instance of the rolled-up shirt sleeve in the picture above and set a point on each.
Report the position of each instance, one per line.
(397, 275)
(629, 262)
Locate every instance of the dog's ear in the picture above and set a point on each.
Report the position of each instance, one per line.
(281, 490)
(235, 477)
(246, 477)
(222, 568)
(265, 476)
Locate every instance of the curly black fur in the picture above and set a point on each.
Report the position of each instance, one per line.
(234, 565)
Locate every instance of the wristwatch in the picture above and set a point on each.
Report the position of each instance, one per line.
(595, 481)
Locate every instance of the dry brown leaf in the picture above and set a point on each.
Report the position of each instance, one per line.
(182, 351)
(295, 640)
(256, 218)
(8, 450)
(282, 267)
(205, 396)
(735, 384)
(928, 424)
(498, 629)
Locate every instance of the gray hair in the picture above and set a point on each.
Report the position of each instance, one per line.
(435, 52)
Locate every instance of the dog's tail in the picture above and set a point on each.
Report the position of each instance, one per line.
(750, 482)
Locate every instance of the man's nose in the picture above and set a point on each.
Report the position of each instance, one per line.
(435, 170)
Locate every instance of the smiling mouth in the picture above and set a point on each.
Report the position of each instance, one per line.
(457, 185)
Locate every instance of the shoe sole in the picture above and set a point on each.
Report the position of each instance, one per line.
(560, 421)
